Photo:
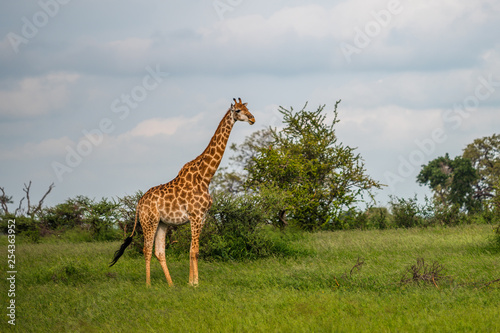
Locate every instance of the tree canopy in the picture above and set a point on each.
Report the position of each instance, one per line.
(469, 181)
(451, 180)
(484, 154)
(317, 177)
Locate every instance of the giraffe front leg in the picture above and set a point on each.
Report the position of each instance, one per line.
(193, 263)
(194, 252)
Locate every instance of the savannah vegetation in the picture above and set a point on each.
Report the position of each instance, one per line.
(293, 242)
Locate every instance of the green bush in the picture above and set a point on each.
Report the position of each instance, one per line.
(26, 226)
(237, 228)
(101, 218)
(85, 216)
(371, 218)
(447, 215)
(379, 217)
(406, 212)
(488, 216)
(67, 215)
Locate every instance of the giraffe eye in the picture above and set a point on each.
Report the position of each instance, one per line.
(237, 110)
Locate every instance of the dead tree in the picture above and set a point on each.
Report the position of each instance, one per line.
(31, 210)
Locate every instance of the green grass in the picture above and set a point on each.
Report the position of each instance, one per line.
(65, 287)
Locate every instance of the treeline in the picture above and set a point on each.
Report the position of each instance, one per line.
(93, 220)
(297, 178)
(318, 183)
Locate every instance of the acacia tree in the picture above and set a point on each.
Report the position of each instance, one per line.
(451, 180)
(315, 177)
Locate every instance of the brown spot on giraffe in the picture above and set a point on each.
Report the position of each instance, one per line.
(184, 199)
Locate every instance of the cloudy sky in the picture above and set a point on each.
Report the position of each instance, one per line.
(104, 98)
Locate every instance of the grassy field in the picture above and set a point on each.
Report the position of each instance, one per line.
(348, 281)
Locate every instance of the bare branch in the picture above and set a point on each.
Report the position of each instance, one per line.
(358, 265)
(19, 209)
(491, 282)
(26, 190)
(40, 203)
(282, 217)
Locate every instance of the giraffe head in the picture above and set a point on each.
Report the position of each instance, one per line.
(240, 112)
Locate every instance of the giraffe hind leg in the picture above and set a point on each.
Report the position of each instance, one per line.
(149, 238)
(160, 250)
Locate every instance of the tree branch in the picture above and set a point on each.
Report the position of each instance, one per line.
(5, 200)
(18, 209)
(30, 211)
(39, 207)
(26, 190)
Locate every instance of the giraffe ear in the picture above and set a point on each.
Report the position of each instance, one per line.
(245, 104)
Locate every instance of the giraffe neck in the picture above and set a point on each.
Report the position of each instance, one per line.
(212, 155)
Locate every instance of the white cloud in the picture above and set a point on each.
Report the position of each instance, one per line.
(391, 126)
(162, 126)
(410, 34)
(303, 21)
(34, 96)
(120, 52)
(429, 18)
(36, 150)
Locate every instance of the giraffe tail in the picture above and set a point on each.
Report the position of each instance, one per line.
(125, 244)
(121, 250)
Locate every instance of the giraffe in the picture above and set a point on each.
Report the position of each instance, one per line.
(184, 199)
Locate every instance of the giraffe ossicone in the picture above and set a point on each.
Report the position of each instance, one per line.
(184, 199)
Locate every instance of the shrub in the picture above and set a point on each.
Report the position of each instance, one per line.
(406, 212)
(26, 226)
(379, 217)
(447, 215)
(488, 216)
(422, 272)
(236, 228)
(67, 215)
(370, 218)
(357, 220)
(101, 218)
(98, 217)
